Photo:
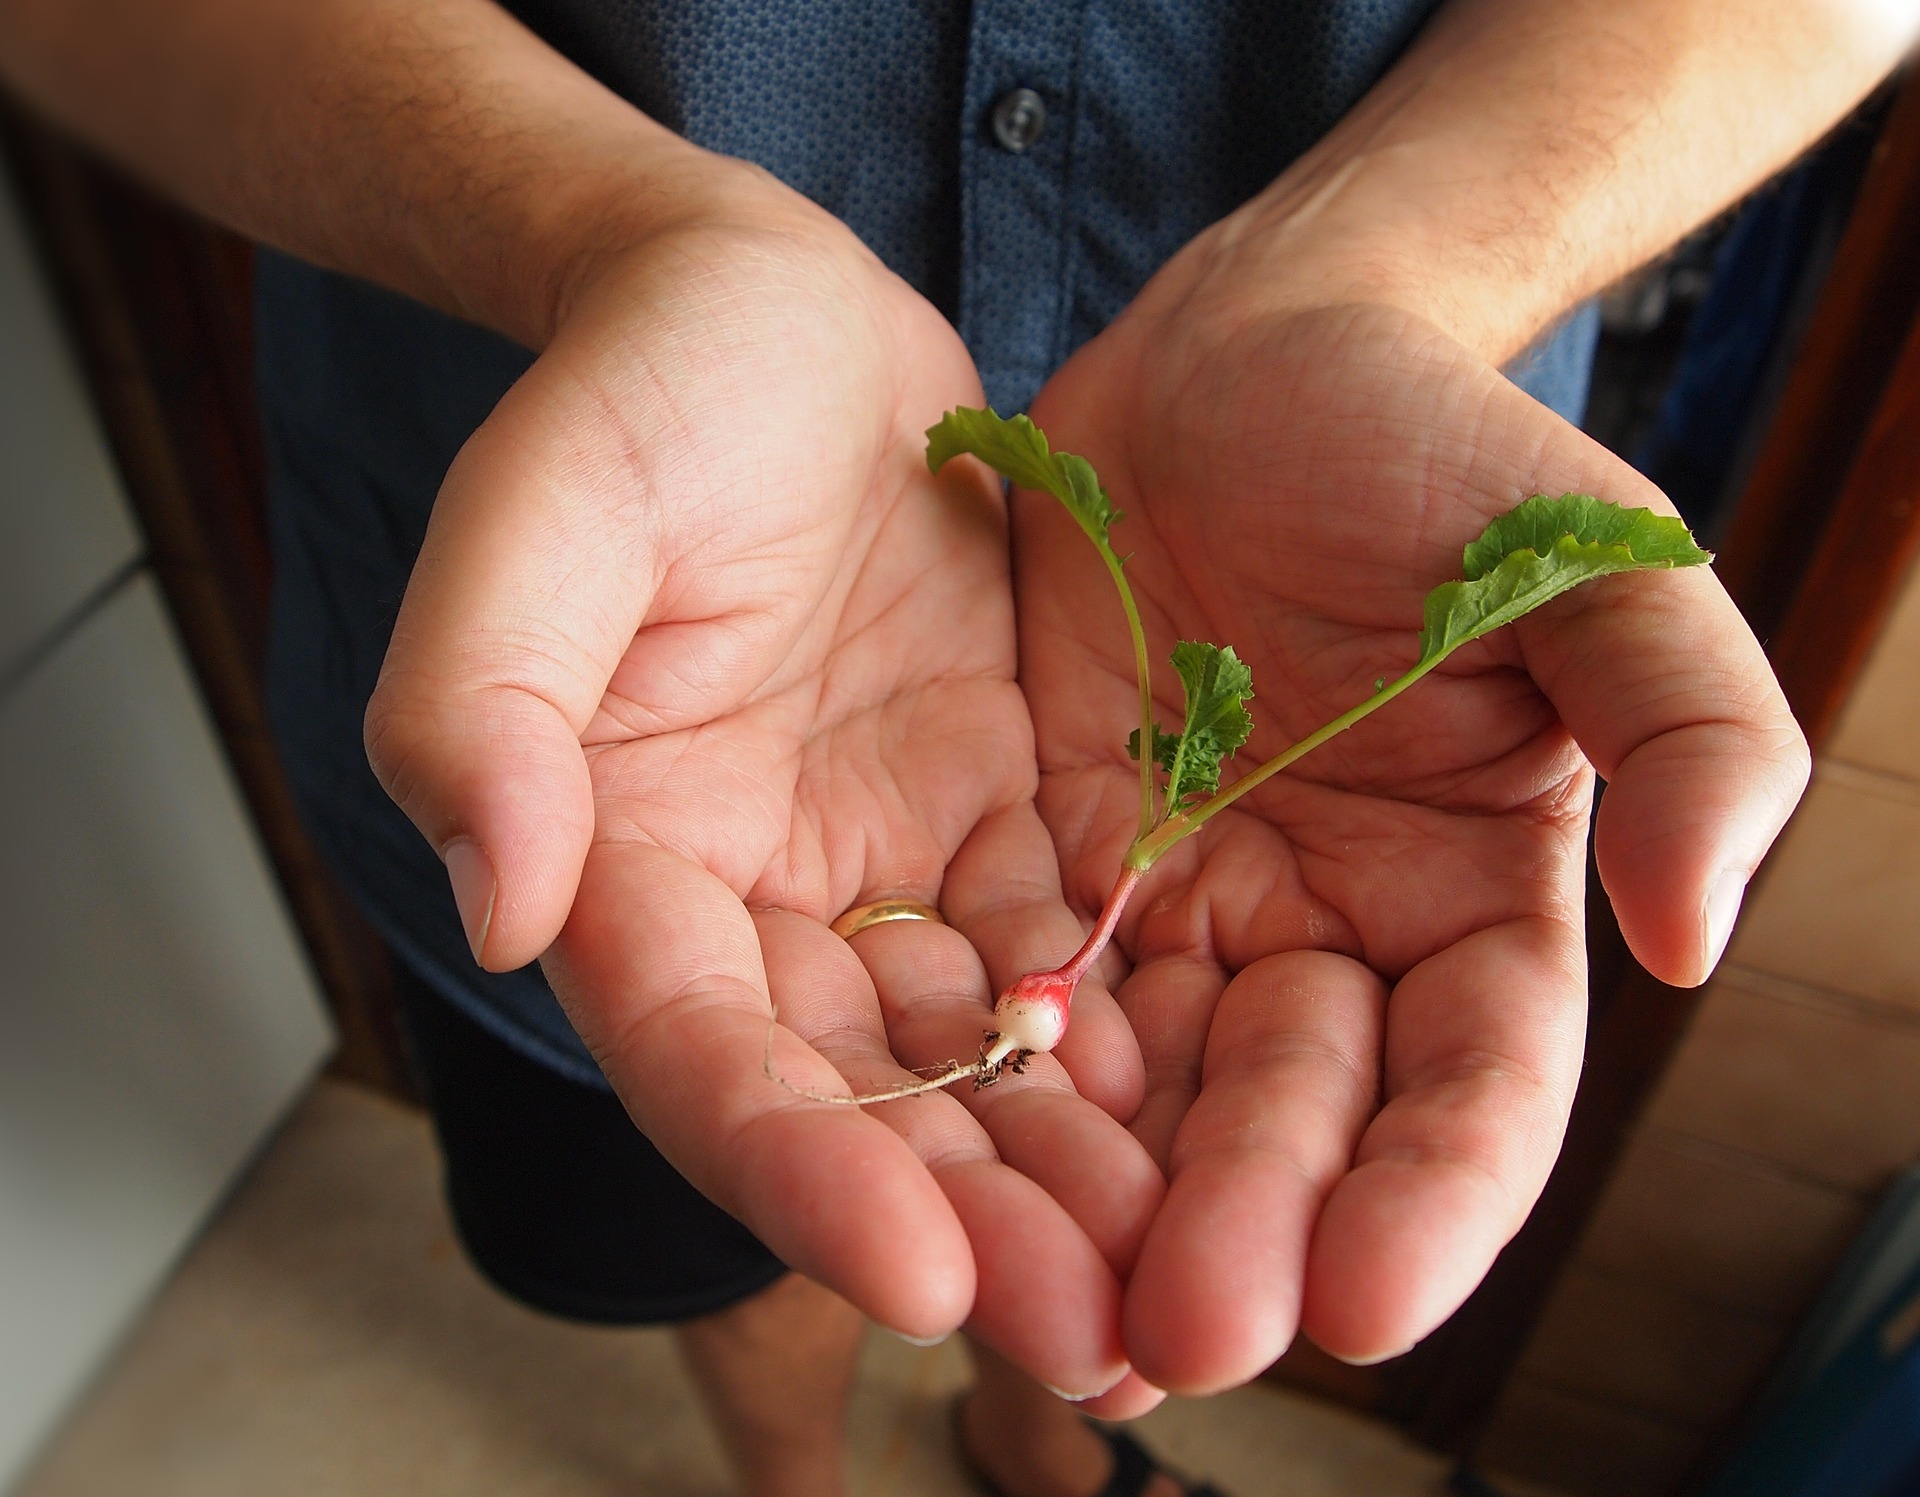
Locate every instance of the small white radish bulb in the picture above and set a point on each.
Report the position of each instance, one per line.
(1031, 1015)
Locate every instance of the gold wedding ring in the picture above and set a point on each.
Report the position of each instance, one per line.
(864, 916)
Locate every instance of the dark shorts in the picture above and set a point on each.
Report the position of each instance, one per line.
(557, 1197)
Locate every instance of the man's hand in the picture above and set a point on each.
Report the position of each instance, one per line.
(694, 636)
(1360, 993)
(696, 656)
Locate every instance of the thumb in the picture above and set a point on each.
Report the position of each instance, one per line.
(530, 586)
(1669, 694)
(494, 777)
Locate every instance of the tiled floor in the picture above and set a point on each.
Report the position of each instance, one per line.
(326, 1339)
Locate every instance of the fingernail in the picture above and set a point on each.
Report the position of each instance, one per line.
(470, 871)
(1066, 1397)
(921, 1340)
(1385, 1356)
(1723, 908)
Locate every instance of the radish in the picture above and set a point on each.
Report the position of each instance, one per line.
(1533, 553)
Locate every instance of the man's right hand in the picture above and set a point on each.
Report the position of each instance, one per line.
(697, 654)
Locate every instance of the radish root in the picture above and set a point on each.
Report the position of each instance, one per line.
(954, 1071)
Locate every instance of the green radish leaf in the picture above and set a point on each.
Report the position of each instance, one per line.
(1165, 746)
(1541, 549)
(1655, 540)
(1218, 685)
(1017, 449)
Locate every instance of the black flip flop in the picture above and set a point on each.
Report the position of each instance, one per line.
(1133, 1465)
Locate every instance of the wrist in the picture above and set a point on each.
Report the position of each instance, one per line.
(575, 232)
(1524, 154)
(1369, 230)
(692, 207)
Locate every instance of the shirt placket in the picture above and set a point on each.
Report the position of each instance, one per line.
(1015, 153)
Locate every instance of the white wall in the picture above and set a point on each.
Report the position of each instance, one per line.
(157, 1015)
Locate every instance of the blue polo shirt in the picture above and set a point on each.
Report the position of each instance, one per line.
(1025, 164)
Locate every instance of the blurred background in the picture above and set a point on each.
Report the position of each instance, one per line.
(224, 1264)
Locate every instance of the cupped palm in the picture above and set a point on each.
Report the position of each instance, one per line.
(1360, 991)
(728, 660)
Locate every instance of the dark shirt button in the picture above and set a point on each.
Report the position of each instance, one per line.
(1019, 115)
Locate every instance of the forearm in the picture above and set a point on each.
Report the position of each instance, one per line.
(434, 146)
(1525, 153)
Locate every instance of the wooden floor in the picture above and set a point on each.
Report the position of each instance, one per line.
(326, 1337)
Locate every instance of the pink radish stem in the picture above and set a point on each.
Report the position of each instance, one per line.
(1032, 1013)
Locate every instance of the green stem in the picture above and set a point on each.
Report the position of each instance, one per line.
(1142, 670)
(1147, 848)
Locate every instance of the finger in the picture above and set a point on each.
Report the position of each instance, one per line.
(660, 970)
(1483, 1053)
(1002, 891)
(1131, 1397)
(1170, 1001)
(1290, 1078)
(1047, 1299)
